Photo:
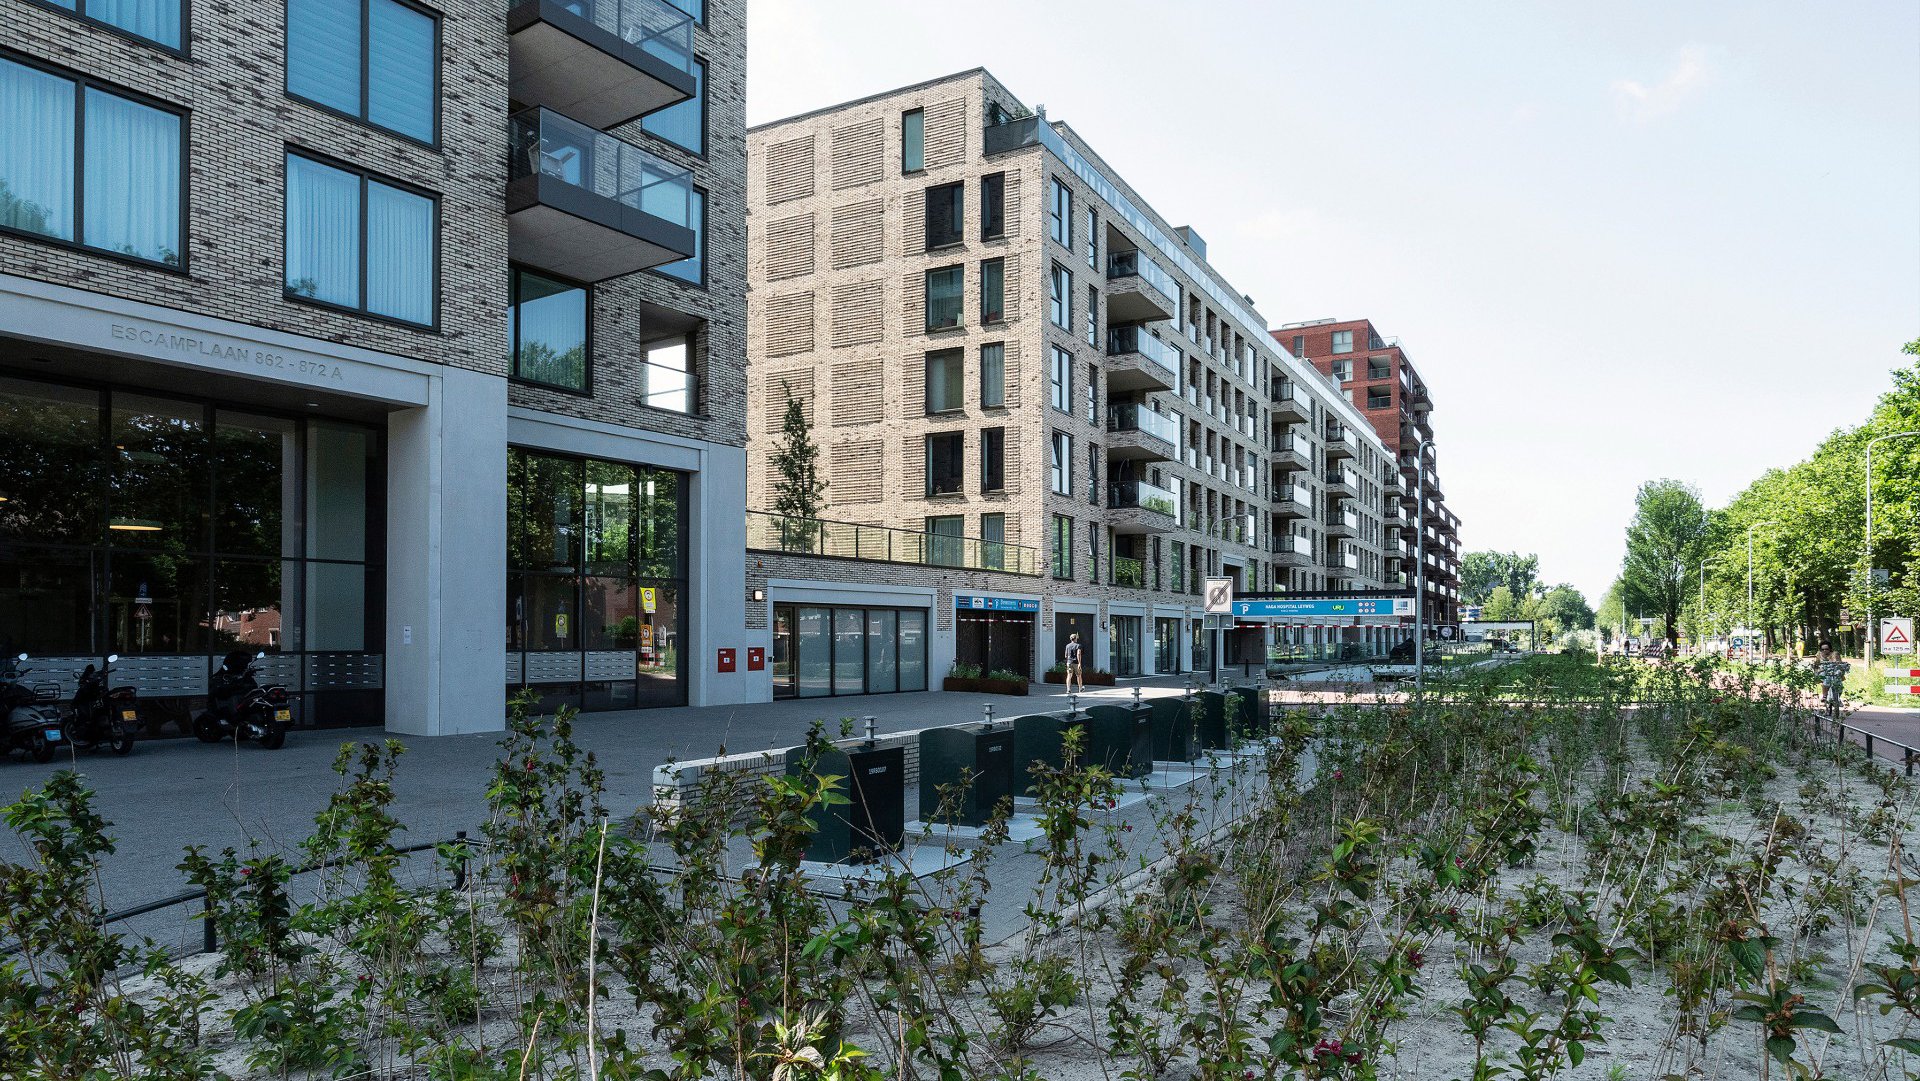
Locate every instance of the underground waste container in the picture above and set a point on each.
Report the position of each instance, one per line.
(1042, 738)
(873, 821)
(974, 764)
(1175, 735)
(1120, 739)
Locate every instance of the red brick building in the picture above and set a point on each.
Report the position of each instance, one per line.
(1376, 376)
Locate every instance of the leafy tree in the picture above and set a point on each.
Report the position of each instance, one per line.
(1566, 608)
(1666, 541)
(1500, 606)
(800, 490)
(1480, 572)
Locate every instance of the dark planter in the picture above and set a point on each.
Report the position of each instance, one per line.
(1054, 677)
(985, 686)
(955, 683)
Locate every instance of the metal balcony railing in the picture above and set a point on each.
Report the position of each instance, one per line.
(1137, 417)
(544, 143)
(769, 532)
(657, 27)
(1134, 338)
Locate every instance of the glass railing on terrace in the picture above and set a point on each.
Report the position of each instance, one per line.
(1137, 263)
(544, 143)
(1144, 496)
(1134, 338)
(851, 540)
(1136, 417)
(657, 27)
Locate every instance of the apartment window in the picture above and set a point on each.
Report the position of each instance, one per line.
(993, 459)
(1343, 341)
(993, 291)
(696, 8)
(944, 213)
(946, 289)
(913, 141)
(1060, 214)
(373, 60)
(1093, 395)
(1060, 297)
(1378, 368)
(1093, 315)
(157, 21)
(1060, 463)
(993, 375)
(1342, 371)
(547, 328)
(947, 540)
(1378, 398)
(1093, 552)
(993, 541)
(84, 165)
(945, 451)
(993, 206)
(667, 374)
(1093, 238)
(1093, 473)
(693, 269)
(1060, 379)
(359, 243)
(683, 124)
(945, 371)
(1299, 349)
(1062, 546)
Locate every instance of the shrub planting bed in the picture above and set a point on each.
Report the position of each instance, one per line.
(1555, 868)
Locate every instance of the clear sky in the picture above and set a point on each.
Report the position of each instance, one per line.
(1620, 240)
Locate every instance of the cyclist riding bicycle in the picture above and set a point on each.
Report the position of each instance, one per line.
(1833, 678)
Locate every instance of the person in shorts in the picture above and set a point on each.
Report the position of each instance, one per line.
(1072, 657)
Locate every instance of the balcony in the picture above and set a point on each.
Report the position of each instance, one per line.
(1341, 442)
(1138, 360)
(1292, 455)
(602, 62)
(1342, 523)
(1289, 405)
(1139, 507)
(1292, 501)
(1343, 483)
(851, 540)
(587, 206)
(1293, 552)
(1138, 432)
(1138, 290)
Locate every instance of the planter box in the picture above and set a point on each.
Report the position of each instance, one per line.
(1094, 679)
(985, 686)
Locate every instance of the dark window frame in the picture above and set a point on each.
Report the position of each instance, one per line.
(81, 83)
(921, 167)
(1000, 392)
(956, 201)
(993, 316)
(366, 69)
(1060, 296)
(514, 270)
(1061, 537)
(78, 11)
(700, 239)
(695, 384)
(365, 175)
(993, 479)
(706, 115)
(993, 197)
(926, 299)
(959, 473)
(958, 354)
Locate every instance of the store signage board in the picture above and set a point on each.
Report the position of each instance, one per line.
(995, 604)
(1358, 606)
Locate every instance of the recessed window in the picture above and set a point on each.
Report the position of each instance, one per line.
(84, 165)
(1093, 314)
(684, 124)
(946, 380)
(993, 459)
(1342, 370)
(945, 453)
(946, 295)
(913, 140)
(944, 213)
(1093, 473)
(1060, 379)
(373, 60)
(666, 375)
(1343, 341)
(1060, 464)
(693, 269)
(1378, 368)
(1062, 546)
(993, 291)
(157, 21)
(993, 206)
(695, 8)
(1379, 398)
(547, 330)
(993, 375)
(1060, 297)
(355, 242)
(1060, 213)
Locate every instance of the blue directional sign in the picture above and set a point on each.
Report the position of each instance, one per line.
(996, 604)
(1358, 606)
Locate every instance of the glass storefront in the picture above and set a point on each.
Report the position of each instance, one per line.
(596, 576)
(1166, 645)
(172, 530)
(821, 651)
(1126, 645)
(996, 641)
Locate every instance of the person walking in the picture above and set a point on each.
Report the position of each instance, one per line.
(1072, 657)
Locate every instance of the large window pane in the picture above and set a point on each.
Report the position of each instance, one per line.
(549, 491)
(256, 463)
(338, 607)
(160, 476)
(52, 477)
(945, 296)
(668, 375)
(36, 151)
(155, 20)
(323, 232)
(608, 526)
(913, 651)
(156, 604)
(613, 618)
(816, 653)
(694, 268)
(132, 179)
(400, 69)
(659, 645)
(551, 607)
(849, 653)
(882, 652)
(399, 254)
(658, 542)
(46, 601)
(993, 375)
(685, 124)
(341, 503)
(323, 52)
(255, 606)
(547, 325)
(946, 388)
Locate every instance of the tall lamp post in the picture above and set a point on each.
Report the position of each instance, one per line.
(1873, 631)
(1750, 530)
(1420, 574)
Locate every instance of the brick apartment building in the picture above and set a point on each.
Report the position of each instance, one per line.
(1017, 368)
(1374, 374)
(372, 322)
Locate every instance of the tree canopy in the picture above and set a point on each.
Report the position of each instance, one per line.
(1480, 572)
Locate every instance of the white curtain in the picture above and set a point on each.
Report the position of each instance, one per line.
(36, 151)
(132, 183)
(400, 69)
(155, 20)
(323, 52)
(323, 232)
(399, 254)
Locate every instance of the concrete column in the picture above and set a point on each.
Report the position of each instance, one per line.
(447, 558)
(717, 584)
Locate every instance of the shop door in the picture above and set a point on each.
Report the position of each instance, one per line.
(1126, 645)
(1066, 624)
(786, 682)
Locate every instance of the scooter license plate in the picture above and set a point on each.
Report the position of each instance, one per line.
(129, 715)
(283, 715)
(52, 735)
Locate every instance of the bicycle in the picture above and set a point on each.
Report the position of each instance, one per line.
(1833, 680)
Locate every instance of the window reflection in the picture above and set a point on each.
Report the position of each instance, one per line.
(50, 444)
(160, 486)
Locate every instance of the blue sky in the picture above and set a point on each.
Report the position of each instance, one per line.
(1620, 241)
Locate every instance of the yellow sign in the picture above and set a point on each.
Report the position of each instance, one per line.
(649, 599)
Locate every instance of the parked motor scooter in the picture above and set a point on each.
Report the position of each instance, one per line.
(33, 724)
(103, 718)
(239, 708)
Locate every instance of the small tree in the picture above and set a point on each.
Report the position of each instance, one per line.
(1668, 536)
(800, 490)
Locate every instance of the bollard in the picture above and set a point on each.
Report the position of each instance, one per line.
(870, 731)
(1869, 736)
(209, 934)
(460, 865)
(1073, 703)
(986, 714)
(1136, 696)
(1909, 757)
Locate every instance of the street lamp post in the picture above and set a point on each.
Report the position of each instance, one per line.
(1873, 632)
(1750, 530)
(1420, 574)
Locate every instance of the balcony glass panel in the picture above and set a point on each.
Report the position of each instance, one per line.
(661, 29)
(1136, 263)
(547, 144)
(1145, 496)
(1133, 416)
(1134, 338)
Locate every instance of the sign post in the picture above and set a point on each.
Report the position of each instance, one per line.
(1896, 635)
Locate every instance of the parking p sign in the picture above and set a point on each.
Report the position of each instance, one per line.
(1896, 635)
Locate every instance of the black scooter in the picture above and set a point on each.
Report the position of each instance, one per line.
(33, 724)
(239, 708)
(102, 718)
